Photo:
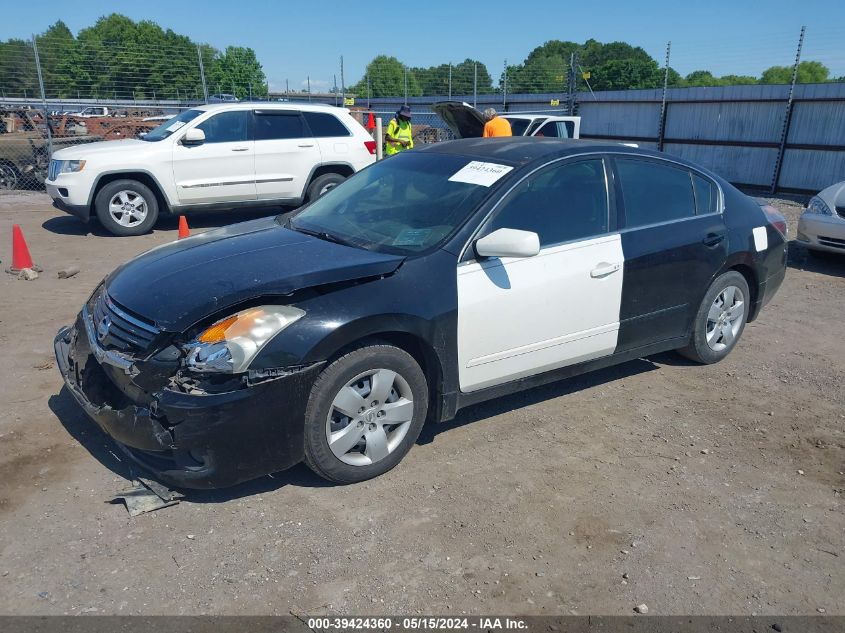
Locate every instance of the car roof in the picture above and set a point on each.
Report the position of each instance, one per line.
(521, 150)
(270, 105)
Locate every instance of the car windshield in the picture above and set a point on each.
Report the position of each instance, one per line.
(171, 125)
(518, 125)
(405, 204)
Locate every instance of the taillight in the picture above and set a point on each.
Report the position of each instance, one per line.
(775, 218)
(371, 146)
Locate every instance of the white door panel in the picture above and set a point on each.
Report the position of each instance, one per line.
(518, 317)
(282, 166)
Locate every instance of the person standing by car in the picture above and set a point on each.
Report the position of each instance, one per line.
(495, 125)
(399, 134)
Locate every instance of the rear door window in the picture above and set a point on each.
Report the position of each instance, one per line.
(278, 125)
(323, 124)
(654, 192)
(706, 195)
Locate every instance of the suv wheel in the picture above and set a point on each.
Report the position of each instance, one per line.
(720, 319)
(364, 413)
(323, 184)
(126, 207)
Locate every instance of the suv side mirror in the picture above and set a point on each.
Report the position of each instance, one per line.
(194, 136)
(508, 243)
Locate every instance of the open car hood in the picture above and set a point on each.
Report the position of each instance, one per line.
(464, 120)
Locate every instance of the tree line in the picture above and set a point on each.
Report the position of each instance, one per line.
(592, 65)
(120, 58)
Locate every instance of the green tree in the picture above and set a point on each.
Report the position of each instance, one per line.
(809, 72)
(386, 76)
(18, 74)
(237, 71)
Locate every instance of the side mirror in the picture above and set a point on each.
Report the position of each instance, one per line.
(194, 136)
(508, 243)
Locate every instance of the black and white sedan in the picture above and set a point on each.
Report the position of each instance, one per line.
(428, 282)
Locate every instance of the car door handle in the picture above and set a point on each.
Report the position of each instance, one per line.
(604, 269)
(240, 149)
(713, 239)
(306, 145)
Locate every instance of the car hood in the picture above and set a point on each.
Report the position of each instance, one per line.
(180, 283)
(464, 120)
(100, 147)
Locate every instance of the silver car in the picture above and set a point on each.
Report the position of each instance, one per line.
(822, 225)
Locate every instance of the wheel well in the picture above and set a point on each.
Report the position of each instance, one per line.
(146, 179)
(750, 279)
(421, 352)
(322, 170)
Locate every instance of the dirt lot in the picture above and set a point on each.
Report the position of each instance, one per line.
(716, 490)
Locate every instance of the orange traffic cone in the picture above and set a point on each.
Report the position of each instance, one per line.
(20, 252)
(371, 122)
(184, 231)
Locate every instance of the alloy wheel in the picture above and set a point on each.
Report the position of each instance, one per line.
(128, 208)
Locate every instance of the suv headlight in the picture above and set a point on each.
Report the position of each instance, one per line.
(818, 206)
(229, 345)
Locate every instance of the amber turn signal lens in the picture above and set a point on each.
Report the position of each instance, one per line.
(217, 332)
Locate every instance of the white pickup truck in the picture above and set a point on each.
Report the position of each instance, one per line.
(467, 122)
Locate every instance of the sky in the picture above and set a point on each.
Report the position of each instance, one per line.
(295, 39)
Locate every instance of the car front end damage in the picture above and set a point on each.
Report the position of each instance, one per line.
(189, 429)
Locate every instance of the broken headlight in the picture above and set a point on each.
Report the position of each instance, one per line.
(229, 345)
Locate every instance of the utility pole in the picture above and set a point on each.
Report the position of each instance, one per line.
(202, 74)
(287, 89)
(405, 68)
(335, 90)
(309, 87)
(787, 119)
(662, 125)
(342, 82)
(368, 91)
(450, 81)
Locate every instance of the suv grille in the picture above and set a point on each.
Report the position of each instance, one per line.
(53, 170)
(117, 329)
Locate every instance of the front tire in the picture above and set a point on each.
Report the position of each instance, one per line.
(126, 207)
(322, 185)
(365, 412)
(720, 319)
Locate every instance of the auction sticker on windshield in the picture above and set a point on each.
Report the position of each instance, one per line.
(175, 126)
(480, 173)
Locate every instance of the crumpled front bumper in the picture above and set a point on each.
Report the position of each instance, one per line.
(206, 440)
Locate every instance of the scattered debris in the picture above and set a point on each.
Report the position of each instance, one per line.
(821, 610)
(191, 536)
(70, 271)
(705, 451)
(693, 577)
(146, 496)
(800, 472)
(641, 608)
(28, 274)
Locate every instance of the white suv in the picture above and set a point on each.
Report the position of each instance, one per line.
(221, 156)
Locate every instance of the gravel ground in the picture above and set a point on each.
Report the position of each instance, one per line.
(694, 490)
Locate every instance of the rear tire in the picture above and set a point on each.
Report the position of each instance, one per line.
(126, 207)
(720, 319)
(365, 412)
(322, 185)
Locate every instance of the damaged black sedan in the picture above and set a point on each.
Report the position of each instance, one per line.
(426, 283)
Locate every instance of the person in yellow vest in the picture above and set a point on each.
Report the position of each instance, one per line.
(398, 135)
(495, 125)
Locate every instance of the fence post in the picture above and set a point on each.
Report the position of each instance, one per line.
(475, 85)
(368, 91)
(787, 119)
(309, 87)
(450, 81)
(47, 125)
(342, 83)
(379, 148)
(405, 68)
(202, 74)
(505, 89)
(661, 127)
